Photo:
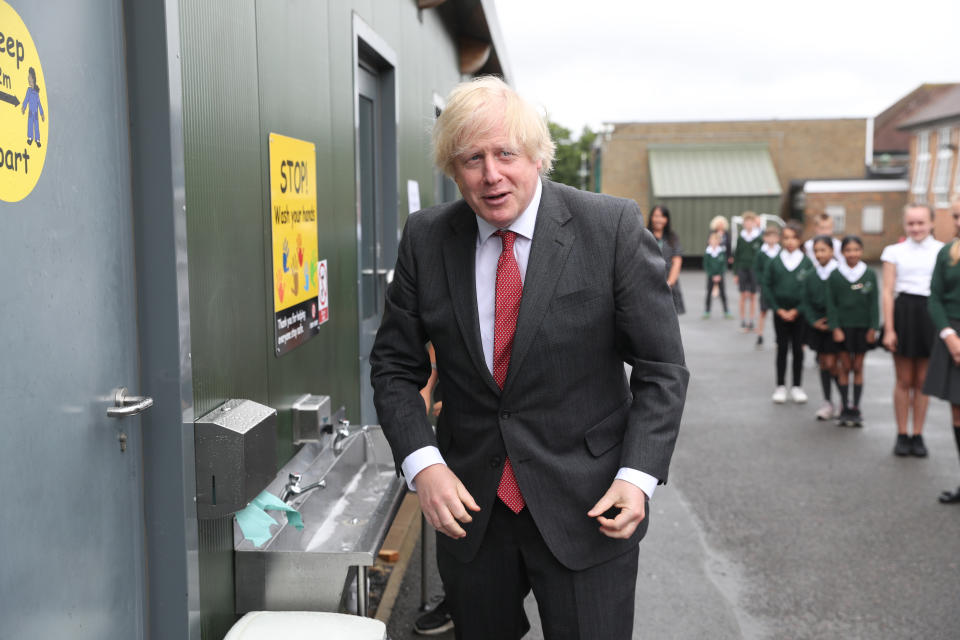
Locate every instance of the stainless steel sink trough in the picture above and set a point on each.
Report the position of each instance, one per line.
(344, 525)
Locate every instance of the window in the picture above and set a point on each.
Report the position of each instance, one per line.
(839, 214)
(872, 220)
(941, 173)
(921, 170)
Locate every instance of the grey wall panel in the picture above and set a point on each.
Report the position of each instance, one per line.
(222, 155)
(222, 149)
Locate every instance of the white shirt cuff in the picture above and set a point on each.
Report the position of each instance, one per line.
(418, 461)
(646, 482)
(949, 331)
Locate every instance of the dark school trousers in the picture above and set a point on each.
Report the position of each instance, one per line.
(789, 338)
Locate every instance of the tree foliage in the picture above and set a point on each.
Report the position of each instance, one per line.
(569, 160)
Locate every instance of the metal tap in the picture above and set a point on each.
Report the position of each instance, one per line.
(340, 436)
(293, 488)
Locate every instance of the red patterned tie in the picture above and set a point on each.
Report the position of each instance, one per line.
(509, 290)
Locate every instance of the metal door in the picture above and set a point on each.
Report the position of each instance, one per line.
(72, 529)
(376, 256)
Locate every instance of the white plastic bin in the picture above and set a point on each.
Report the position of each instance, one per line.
(306, 625)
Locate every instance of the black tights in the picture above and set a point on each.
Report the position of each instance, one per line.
(723, 293)
(789, 337)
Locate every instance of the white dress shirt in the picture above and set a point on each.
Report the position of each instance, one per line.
(914, 262)
(488, 252)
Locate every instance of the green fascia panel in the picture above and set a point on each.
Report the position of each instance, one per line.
(690, 217)
(712, 170)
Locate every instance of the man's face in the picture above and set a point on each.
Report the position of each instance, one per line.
(496, 178)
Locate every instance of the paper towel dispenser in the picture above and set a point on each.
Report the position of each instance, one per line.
(236, 454)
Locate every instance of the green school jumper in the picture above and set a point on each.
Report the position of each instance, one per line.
(814, 304)
(715, 266)
(761, 262)
(746, 253)
(853, 305)
(783, 289)
(944, 300)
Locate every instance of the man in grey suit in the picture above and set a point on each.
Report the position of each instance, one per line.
(534, 295)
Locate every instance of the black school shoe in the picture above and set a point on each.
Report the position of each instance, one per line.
(948, 497)
(435, 621)
(917, 448)
(903, 446)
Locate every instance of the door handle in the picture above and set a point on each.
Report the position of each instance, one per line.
(124, 405)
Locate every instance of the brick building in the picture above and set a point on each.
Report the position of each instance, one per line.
(870, 209)
(793, 150)
(935, 170)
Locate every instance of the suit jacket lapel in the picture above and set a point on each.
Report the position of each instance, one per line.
(551, 246)
(459, 256)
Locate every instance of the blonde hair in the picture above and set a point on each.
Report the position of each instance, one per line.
(955, 245)
(475, 108)
(749, 215)
(719, 222)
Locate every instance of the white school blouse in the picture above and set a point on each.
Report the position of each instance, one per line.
(914, 262)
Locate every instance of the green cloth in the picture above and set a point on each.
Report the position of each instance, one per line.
(715, 266)
(814, 304)
(746, 252)
(760, 264)
(944, 300)
(255, 522)
(853, 305)
(783, 289)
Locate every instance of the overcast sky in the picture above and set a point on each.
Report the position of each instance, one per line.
(587, 62)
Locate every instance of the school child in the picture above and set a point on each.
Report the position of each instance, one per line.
(853, 316)
(783, 288)
(943, 374)
(748, 244)
(818, 335)
(908, 332)
(822, 226)
(715, 264)
(768, 251)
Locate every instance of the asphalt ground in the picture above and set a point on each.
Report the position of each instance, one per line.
(775, 525)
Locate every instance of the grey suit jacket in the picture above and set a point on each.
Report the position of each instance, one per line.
(594, 297)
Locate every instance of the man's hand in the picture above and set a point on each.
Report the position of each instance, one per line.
(630, 499)
(444, 500)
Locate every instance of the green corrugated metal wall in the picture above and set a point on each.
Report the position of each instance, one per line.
(690, 217)
(251, 67)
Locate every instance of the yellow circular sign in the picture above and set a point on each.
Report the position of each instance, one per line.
(24, 114)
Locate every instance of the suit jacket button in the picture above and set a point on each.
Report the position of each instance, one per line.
(505, 415)
(494, 462)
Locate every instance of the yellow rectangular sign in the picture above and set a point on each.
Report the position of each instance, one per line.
(293, 216)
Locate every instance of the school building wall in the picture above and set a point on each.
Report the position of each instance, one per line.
(892, 203)
(800, 149)
(251, 68)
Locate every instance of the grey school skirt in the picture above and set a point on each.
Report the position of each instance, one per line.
(943, 375)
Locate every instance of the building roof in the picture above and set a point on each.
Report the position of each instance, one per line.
(887, 135)
(692, 170)
(945, 106)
